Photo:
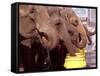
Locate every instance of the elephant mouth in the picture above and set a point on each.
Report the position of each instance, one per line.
(44, 36)
(80, 39)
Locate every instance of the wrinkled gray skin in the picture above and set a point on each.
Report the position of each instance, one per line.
(63, 32)
(51, 27)
(69, 27)
(49, 37)
(54, 32)
(72, 18)
(26, 26)
(29, 20)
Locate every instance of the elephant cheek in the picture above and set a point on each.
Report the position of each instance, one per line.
(50, 39)
(72, 49)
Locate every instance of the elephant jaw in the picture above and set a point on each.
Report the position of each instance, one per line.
(72, 49)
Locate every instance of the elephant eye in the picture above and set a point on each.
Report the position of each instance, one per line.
(32, 11)
(58, 24)
(71, 32)
(75, 23)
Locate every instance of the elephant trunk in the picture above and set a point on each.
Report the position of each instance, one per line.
(72, 49)
(82, 37)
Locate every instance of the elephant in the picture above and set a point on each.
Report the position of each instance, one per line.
(48, 38)
(68, 36)
(80, 36)
(72, 18)
(72, 25)
(31, 38)
(47, 34)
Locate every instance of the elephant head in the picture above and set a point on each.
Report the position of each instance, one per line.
(47, 34)
(34, 22)
(69, 15)
(65, 30)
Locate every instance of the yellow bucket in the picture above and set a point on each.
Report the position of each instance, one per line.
(78, 61)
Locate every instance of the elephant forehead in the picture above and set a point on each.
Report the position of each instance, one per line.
(43, 28)
(70, 12)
